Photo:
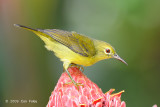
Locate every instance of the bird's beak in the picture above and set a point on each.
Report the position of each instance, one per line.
(119, 58)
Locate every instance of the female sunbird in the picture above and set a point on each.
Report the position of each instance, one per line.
(74, 48)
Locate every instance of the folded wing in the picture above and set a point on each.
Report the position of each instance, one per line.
(76, 42)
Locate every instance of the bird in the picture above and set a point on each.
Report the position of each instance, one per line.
(74, 49)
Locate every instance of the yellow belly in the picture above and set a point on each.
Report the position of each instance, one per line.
(66, 54)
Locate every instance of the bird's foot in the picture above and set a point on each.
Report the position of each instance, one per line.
(72, 81)
(76, 84)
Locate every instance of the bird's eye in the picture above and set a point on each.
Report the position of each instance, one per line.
(107, 50)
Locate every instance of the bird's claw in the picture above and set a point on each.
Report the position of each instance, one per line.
(76, 84)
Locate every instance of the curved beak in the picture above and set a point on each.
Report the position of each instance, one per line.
(119, 58)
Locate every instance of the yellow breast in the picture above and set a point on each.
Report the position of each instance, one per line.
(66, 54)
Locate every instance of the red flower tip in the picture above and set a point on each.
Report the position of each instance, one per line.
(117, 94)
(88, 95)
(82, 105)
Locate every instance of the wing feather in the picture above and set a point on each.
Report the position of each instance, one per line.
(76, 42)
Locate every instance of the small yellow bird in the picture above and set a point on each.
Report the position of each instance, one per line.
(74, 48)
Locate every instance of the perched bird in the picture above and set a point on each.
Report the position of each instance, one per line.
(74, 49)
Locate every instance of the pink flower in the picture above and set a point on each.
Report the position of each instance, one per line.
(88, 95)
(155, 105)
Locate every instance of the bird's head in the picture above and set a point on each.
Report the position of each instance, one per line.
(106, 51)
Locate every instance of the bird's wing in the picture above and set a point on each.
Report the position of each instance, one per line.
(76, 42)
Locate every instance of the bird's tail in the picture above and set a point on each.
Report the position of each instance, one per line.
(39, 32)
(25, 27)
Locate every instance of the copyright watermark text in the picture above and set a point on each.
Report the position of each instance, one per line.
(11, 101)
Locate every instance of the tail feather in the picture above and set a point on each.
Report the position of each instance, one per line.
(38, 32)
(25, 27)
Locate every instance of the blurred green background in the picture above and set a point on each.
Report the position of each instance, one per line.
(29, 72)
